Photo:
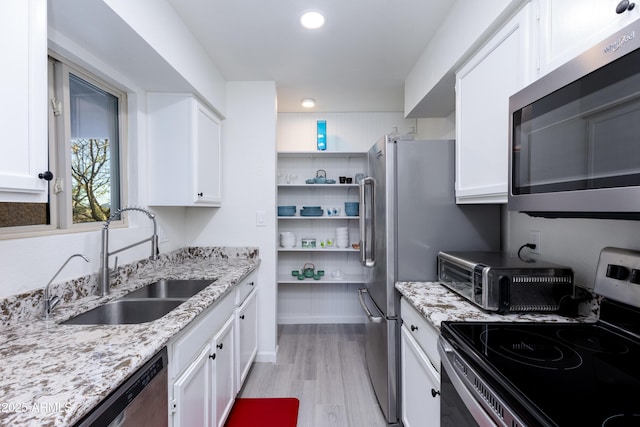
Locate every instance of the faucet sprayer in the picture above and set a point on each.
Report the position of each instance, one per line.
(49, 301)
(104, 273)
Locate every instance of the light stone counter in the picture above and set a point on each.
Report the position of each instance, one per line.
(52, 374)
(438, 304)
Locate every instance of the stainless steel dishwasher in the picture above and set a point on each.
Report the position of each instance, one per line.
(140, 401)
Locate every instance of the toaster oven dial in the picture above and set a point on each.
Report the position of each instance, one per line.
(617, 272)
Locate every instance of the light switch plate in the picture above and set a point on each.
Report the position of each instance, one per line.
(260, 218)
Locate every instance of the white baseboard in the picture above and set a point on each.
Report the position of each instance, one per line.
(267, 356)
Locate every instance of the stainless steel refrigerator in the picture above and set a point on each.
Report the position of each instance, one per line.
(407, 215)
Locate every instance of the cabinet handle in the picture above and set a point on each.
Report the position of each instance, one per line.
(200, 194)
(47, 176)
(242, 317)
(212, 356)
(250, 283)
(434, 393)
(220, 345)
(414, 328)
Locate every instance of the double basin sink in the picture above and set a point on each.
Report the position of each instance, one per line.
(146, 304)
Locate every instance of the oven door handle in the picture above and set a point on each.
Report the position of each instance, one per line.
(474, 407)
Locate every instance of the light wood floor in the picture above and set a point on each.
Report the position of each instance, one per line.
(323, 366)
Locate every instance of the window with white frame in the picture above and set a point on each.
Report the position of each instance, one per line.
(87, 124)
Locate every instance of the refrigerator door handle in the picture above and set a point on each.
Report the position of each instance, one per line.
(367, 253)
(372, 318)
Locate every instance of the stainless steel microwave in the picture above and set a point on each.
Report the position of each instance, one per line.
(574, 140)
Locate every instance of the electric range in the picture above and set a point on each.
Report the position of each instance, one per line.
(550, 374)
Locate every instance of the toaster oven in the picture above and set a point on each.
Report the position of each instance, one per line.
(497, 282)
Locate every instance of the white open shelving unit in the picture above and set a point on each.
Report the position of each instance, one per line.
(330, 299)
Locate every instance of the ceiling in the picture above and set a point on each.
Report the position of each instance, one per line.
(357, 62)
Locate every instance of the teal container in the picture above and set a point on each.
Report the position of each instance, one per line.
(322, 135)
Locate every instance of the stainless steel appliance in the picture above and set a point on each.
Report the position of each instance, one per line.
(141, 400)
(408, 214)
(574, 147)
(550, 374)
(495, 281)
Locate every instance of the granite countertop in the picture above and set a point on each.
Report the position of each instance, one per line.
(53, 374)
(438, 304)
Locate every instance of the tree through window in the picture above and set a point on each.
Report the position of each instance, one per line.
(94, 151)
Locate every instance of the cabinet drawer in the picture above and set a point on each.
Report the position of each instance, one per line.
(187, 346)
(425, 334)
(244, 288)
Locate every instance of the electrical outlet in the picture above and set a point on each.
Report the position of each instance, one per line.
(534, 237)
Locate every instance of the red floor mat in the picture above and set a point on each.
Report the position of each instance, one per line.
(278, 412)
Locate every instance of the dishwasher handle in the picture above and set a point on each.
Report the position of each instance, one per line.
(372, 318)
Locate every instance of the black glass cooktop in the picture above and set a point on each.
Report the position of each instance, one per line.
(558, 374)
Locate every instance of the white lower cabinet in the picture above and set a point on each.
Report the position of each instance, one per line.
(223, 347)
(247, 336)
(209, 360)
(419, 370)
(192, 393)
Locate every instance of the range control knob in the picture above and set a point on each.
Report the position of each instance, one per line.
(617, 272)
(635, 276)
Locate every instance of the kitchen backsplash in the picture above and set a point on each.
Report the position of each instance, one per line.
(27, 306)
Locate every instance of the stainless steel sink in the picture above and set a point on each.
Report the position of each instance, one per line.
(170, 289)
(142, 305)
(126, 311)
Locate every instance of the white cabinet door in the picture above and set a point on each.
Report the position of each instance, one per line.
(202, 367)
(23, 112)
(568, 28)
(223, 372)
(184, 151)
(247, 337)
(207, 173)
(483, 87)
(192, 393)
(420, 385)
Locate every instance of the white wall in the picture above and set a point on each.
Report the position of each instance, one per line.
(171, 39)
(355, 131)
(574, 242)
(429, 86)
(345, 131)
(248, 176)
(437, 128)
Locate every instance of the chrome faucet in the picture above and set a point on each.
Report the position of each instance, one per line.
(104, 274)
(49, 301)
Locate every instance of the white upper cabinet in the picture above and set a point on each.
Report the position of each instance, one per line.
(483, 86)
(23, 112)
(568, 28)
(184, 151)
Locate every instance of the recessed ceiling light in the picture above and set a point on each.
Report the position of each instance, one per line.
(308, 103)
(312, 20)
